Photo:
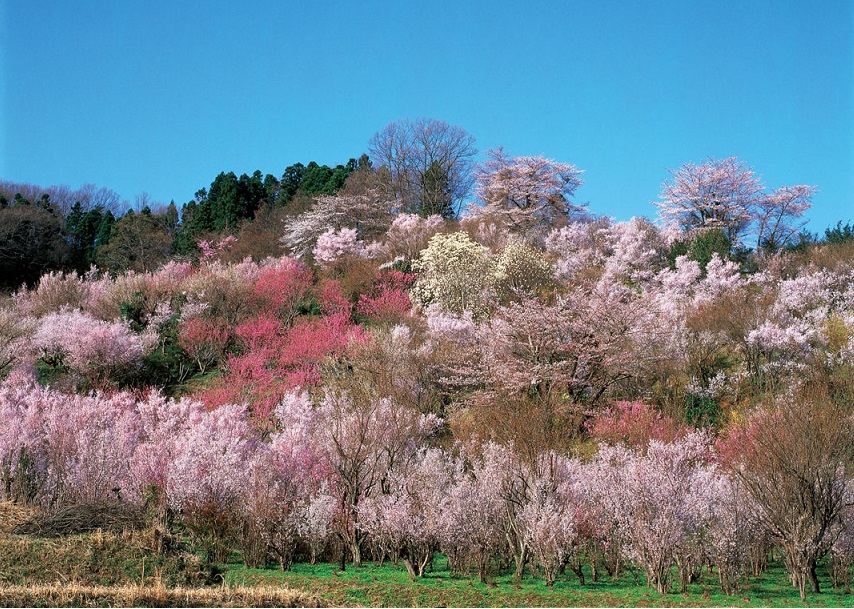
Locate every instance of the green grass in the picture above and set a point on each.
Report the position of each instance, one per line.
(389, 586)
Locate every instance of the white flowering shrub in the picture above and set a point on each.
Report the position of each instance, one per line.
(522, 268)
(456, 273)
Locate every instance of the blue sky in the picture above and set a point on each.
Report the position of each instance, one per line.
(160, 96)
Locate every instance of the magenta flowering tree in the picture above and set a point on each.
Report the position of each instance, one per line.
(635, 425)
(205, 340)
(276, 358)
(281, 287)
(388, 300)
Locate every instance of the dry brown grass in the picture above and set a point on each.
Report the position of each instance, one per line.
(13, 515)
(75, 595)
(81, 518)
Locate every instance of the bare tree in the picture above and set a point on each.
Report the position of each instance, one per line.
(426, 163)
(797, 458)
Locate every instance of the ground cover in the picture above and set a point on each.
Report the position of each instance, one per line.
(390, 586)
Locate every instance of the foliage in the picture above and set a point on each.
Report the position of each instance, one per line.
(31, 243)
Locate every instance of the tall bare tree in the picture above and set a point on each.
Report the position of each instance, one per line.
(426, 164)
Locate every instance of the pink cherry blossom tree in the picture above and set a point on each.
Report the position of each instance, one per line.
(409, 234)
(333, 244)
(96, 350)
(206, 479)
(714, 194)
(527, 192)
(659, 503)
(778, 215)
(473, 521)
(405, 521)
(362, 441)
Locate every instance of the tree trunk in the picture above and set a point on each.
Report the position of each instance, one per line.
(813, 577)
(576, 568)
(410, 568)
(521, 559)
(356, 551)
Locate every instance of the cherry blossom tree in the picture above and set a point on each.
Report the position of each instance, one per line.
(580, 345)
(362, 441)
(206, 479)
(778, 215)
(527, 193)
(659, 503)
(164, 423)
(638, 249)
(551, 528)
(579, 248)
(409, 234)
(726, 194)
(405, 522)
(714, 194)
(333, 244)
(370, 213)
(14, 330)
(89, 347)
(474, 519)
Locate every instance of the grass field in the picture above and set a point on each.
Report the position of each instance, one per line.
(389, 586)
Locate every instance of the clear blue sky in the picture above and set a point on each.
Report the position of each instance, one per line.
(160, 96)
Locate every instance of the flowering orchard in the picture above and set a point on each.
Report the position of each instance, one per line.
(528, 388)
